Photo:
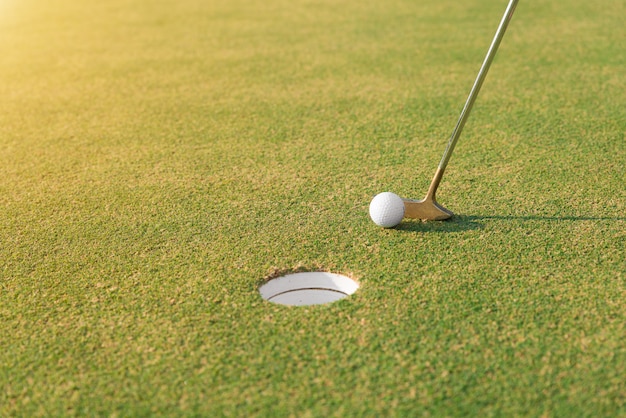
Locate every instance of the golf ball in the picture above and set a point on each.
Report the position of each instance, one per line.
(387, 209)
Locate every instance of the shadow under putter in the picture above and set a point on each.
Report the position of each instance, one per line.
(428, 208)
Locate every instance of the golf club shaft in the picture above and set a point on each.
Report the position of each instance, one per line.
(473, 94)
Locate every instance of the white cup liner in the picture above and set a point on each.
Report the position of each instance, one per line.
(308, 288)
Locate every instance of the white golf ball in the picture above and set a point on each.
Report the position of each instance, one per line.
(387, 209)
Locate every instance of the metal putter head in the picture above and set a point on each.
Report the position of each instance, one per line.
(427, 209)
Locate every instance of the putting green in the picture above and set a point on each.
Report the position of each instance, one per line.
(160, 161)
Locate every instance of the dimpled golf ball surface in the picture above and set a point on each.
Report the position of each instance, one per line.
(387, 209)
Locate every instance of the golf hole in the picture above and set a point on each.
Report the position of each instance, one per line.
(308, 288)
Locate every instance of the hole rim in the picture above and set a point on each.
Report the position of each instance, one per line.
(299, 282)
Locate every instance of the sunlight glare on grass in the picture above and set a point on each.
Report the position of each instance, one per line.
(6, 7)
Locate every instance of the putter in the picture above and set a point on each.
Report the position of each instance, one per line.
(428, 208)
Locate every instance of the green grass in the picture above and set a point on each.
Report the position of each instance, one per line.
(160, 159)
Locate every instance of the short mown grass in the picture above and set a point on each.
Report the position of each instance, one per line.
(160, 160)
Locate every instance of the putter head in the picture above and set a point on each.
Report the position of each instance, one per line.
(426, 209)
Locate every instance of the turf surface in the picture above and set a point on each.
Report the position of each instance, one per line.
(159, 160)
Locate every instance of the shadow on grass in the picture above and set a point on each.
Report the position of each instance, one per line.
(477, 218)
(458, 223)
